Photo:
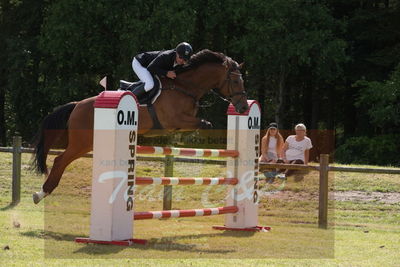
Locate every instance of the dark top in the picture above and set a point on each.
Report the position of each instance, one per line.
(157, 62)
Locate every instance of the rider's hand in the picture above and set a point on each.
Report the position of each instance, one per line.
(171, 74)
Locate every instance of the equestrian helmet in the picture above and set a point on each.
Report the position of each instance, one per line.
(184, 50)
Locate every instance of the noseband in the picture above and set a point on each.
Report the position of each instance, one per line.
(231, 94)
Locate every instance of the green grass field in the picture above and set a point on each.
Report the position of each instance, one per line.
(362, 232)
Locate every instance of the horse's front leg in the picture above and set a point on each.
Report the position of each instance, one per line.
(187, 122)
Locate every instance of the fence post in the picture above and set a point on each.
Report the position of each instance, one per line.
(323, 191)
(168, 172)
(16, 170)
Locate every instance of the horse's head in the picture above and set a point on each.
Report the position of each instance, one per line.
(232, 87)
(215, 70)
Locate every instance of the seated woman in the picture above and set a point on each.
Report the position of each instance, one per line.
(296, 150)
(271, 147)
(271, 144)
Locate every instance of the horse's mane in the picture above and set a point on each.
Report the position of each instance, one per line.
(202, 57)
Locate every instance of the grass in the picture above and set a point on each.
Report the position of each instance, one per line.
(359, 234)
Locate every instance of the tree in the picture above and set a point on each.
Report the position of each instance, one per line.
(291, 48)
(381, 101)
(20, 26)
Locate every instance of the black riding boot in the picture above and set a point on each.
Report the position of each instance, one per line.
(139, 91)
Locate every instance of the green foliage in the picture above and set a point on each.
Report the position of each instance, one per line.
(302, 58)
(378, 150)
(87, 39)
(381, 101)
(291, 47)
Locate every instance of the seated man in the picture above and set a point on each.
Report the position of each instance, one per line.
(296, 150)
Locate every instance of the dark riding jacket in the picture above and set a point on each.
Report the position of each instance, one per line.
(158, 62)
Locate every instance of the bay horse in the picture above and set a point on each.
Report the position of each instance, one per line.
(176, 109)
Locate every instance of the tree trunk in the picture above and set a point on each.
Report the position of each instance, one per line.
(3, 137)
(349, 112)
(281, 101)
(330, 121)
(315, 109)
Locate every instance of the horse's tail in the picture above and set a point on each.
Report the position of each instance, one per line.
(53, 132)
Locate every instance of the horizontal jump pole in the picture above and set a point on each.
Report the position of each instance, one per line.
(266, 166)
(263, 166)
(364, 170)
(185, 181)
(194, 152)
(184, 213)
(139, 158)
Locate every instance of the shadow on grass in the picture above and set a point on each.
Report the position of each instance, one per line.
(165, 244)
(49, 235)
(9, 206)
(168, 244)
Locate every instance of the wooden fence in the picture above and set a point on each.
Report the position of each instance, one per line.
(323, 168)
(168, 160)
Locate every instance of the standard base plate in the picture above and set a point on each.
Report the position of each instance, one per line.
(250, 229)
(127, 242)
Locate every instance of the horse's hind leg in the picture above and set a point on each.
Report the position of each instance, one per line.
(60, 163)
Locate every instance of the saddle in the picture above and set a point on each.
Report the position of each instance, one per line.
(149, 97)
(146, 99)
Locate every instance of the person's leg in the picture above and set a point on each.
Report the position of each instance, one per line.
(292, 172)
(143, 74)
(280, 161)
(298, 174)
(270, 174)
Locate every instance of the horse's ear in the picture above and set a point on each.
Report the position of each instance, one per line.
(241, 65)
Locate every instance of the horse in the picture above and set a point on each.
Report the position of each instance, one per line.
(176, 109)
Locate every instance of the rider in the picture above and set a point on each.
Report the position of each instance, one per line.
(161, 63)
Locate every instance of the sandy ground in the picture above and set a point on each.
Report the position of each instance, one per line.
(385, 198)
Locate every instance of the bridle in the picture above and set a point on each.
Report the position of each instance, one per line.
(217, 91)
(231, 94)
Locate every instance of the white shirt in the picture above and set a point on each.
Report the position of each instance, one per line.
(273, 141)
(296, 148)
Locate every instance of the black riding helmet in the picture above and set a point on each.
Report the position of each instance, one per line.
(184, 51)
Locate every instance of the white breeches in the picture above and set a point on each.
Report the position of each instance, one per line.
(143, 74)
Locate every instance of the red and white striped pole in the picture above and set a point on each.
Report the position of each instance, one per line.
(190, 152)
(185, 181)
(183, 213)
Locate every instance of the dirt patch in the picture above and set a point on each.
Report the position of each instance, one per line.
(386, 198)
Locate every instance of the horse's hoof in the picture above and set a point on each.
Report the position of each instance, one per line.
(38, 196)
(205, 124)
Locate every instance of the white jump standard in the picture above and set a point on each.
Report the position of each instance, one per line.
(114, 176)
(114, 159)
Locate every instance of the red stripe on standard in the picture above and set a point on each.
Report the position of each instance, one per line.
(184, 213)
